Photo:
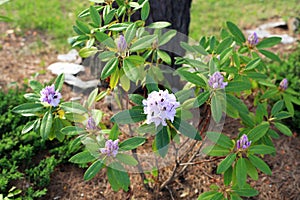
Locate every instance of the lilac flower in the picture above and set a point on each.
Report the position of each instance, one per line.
(121, 44)
(159, 107)
(253, 39)
(91, 124)
(216, 81)
(243, 142)
(50, 96)
(283, 85)
(111, 148)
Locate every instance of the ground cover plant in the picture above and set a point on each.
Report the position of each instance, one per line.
(217, 79)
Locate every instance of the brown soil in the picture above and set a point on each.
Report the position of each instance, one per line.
(21, 57)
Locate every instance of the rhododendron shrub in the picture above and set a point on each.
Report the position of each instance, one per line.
(217, 76)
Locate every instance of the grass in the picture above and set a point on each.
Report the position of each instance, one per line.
(56, 17)
(209, 16)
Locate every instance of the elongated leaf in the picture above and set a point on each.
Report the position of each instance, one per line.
(258, 132)
(224, 45)
(246, 192)
(186, 129)
(277, 107)
(207, 195)
(228, 176)
(95, 16)
(288, 104)
(129, 116)
(28, 109)
(46, 125)
(261, 149)
(226, 163)
(143, 43)
(241, 172)
(131, 143)
(238, 86)
(82, 27)
(130, 70)
(136, 98)
(118, 177)
(201, 99)
(162, 141)
(236, 103)
(127, 159)
(28, 127)
(260, 164)
(193, 49)
(251, 170)
(82, 157)
(191, 77)
(236, 32)
(130, 33)
(159, 25)
(164, 56)
(268, 42)
(270, 55)
(72, 130)
(166, 37)
(109, 68)
(283, 129)
(73, 107)
(93, 170)
(220, 139)
(105, 39)
(59, 81)
(145, 11)
(87, 52)
(216, 108)
(253, 64)
(216, 151)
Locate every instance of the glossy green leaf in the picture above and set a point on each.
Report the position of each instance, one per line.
(95, 16)
(82, 157)
(93, 170)
(228, 176)
(164, 56)
(28, 109)
(145, 10)
(207, 195)
(159, 25)
(59, 81)
(136, 98)
(82, 27)
(246, 192)
(109, 68)
(251, 170)
(268, 42)
(236, 32)
(261, 149)
(126, 159)
(130, 70)
(260, 164)
(258, 132)
(166, 37)
(220, 139)
(253, 64)
(72, 130)
(46, 125)
(201, 98)
(118, 177)
(130, 33)
(131, 143)
(241, 172)
(238, 86)
(162, 140)
(192, 77)
(226, 163)
(129, 116)
(143, 43)
(270, 55)
(283, 129)
(73, 107)
(216, 108)
(29, 126)
(87, 52)
(215, 151)
(105, 39)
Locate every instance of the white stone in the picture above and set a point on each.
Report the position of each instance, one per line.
(71, 56)
(65, 68)
(74, 81)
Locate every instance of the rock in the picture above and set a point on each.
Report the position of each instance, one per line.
(76, 82)
(71, 56)
(65, 68)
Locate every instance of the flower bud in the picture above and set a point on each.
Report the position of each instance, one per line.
(243, 142)
(50, 96)
(121, 44)
(253, 39)
(111, 148)
(283, 85)
(216, 81)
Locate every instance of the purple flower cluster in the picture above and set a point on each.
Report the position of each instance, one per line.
(50, 96)
(91, 124)
(159, 107)
(283, 85)
(216, 81)
(243, 142)
(253, 39)
(121, 44)
(111, 148)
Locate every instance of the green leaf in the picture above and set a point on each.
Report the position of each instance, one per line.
(59, 81)
(29, 126)
(73, 107)
(143, 43)
(164, 56)
(46, 125)
(145, 11)
(131, 143)
(228, 176)
(238, 86)
(162, 140)
(193, 49)
(234, 196)
(260, 164)
(220, 139)
(105, 39)
(236, 103)
(216, 108)
(130, 33)
(283, 128)
(261, 149)
(108, 16)
(207, 195)
(118, 177)
(136, 98)
(109, 68)
(87, 52)
(268, 42)
(130, 70)
(93, 170)
(224, 45)
(288, 104)
(129, 116)
(72, 130)
(270, 55)
(28, 109)
(258, 132)
(136, 60)
(246, 192)
(82, 157)
(95, 16)
(277, 107)
(192, 77)
(269, 93)
(126, 159)
(226, 163)
(215, 151)
(201, 98)
(114, 132)
(82, 27)
(251, 170)
(253, 64)
(247, 119)
(241, 172)
(92, 98)
(159, 25)
(166, 37)
(236, 32)
(282, 115)
(186, 129)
